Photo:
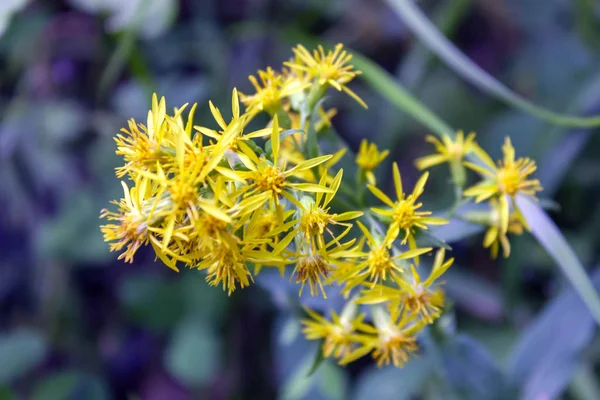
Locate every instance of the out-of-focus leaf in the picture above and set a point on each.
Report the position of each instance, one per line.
(7, 9)
(547, 355)
(391, 383)
(440, 45)
(193, 354)
(299, 383)
(389, 88)
(471, 293)
(75, 234)
(152, 301)
(333, 381)
(555, 161)
(290, 331)
(319, 358)
(585, 385)
(70, 385)
(6, 393)
(457, 230)
(471, 372)
(550, 237)
(148, 18)
(20, 352)
(196, 294)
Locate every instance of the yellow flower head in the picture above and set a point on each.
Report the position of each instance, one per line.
(510, 177)
(369, 158)
(271, 91)
(336, 333)
(235, 141)
(448, 150)
(423, 298)
(226, 265)
(495, 238)
(331, 68)
(143, 145)
(391, 340)
(268, 181)
(132, 227)
(404, 211)
(378, 264)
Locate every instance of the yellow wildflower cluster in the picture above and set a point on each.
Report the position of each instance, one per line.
(500, 185)
(230, 200)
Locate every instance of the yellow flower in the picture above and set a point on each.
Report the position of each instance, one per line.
(403, 212)
(448, 150)
(423, 298)
(391, 340)
(378, 263)
(237, 142)
(132, 228)
(508, 178)
(313, 217)
(268, 181)
(271, 90)
(494, 237)
(336, 333)
(369, 158)
(329, 69)
(315, 265)
(143, 145)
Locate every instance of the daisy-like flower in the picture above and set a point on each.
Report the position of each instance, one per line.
(143, 145)
(315, 266)
(271, 91)
(237, 143)
(506, 179)
(448, 150)
(369, 158)
(336, 332)
(269, 181)
(329, 69)
(138, 216)
(391, 340)
(495, 238)
(423, 298)
(131, 231)
(313, 216)
(378, 263)
(404, 212)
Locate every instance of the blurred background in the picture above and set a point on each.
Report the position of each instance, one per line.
(75, 323)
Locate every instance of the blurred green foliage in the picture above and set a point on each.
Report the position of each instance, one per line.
(77, 323)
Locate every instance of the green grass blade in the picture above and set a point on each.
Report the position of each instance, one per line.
(463, 66)
(551, 239)
(382, 82)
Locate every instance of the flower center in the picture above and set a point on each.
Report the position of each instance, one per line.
(509, 179)
(379, 261)
(404, 213)
(270, 179)
(314, 221)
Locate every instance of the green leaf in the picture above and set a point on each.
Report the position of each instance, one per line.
(67, 385)
(440, 45)
(471, 372)
(6, 393)
(193, 354)
(333, 381)
(390, 89)
(152, 301)
(391, 383)
(299, 383)
(319, 357)
(550, 237)
(20, 351)
(548, 353)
